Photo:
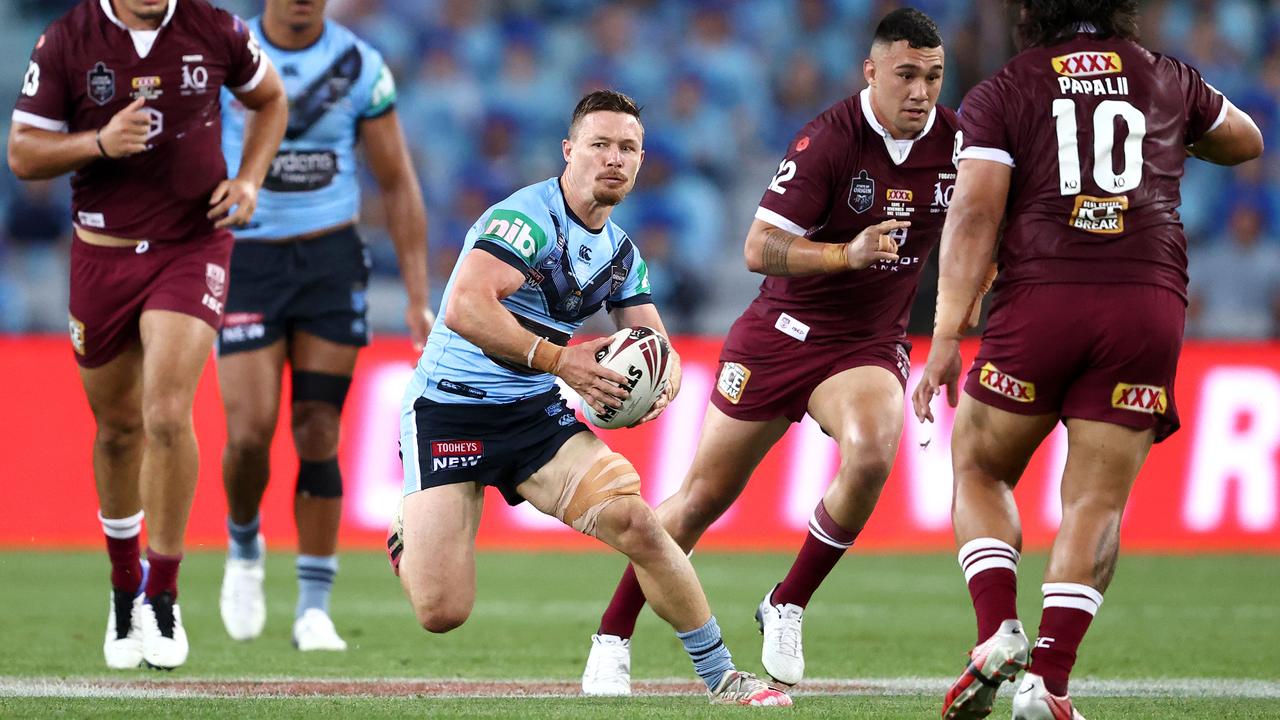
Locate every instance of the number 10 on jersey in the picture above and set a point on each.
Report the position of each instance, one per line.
(1105, 175)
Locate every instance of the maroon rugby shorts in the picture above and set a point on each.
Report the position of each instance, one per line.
(1095, 352)
(112, 286)
(767, 373)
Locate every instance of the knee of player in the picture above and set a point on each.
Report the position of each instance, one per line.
(441, 617)
(166, 420)
(867, 458)
(315, 430)
(119, 436)
(697, 505)
(249, 437)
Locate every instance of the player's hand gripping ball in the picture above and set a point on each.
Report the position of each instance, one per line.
(642, 356)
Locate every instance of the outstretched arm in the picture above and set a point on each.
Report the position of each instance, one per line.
(770, 250)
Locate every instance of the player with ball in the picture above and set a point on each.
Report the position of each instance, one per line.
(483, 407)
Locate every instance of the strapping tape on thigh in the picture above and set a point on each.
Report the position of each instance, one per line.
(586, 495)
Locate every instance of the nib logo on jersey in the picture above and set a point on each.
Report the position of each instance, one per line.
(1011, 387)
(1149, 399)
(453, 454)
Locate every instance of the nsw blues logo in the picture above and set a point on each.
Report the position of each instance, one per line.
(862, 192)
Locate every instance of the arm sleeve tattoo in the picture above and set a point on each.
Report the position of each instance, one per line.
(777, 243)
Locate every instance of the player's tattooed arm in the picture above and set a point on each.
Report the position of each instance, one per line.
(770, 250)
(777, 245)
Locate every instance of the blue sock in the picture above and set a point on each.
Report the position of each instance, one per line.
(244, 539)
(711, 659)
(315, 581)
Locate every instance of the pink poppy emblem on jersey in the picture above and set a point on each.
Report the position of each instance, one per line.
(216, 278)
(802, 144)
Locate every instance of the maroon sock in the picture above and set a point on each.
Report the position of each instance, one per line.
(995, 599)
(1068, 611)
(991, 571)
(164, 573)
(126, 563)
(122, 549)
(624, 609)
(822, 549)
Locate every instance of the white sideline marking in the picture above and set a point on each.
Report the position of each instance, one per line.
(120, 688)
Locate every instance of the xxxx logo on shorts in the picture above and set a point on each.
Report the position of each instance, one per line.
(450, 454)
(733, 380)
(1011, 387)
(1150, 399)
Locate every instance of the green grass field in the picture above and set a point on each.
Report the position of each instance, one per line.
(885, 629)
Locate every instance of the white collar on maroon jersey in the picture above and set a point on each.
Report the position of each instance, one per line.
(898, 149)
(142, 39)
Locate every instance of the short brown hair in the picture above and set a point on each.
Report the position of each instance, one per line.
(603, 101)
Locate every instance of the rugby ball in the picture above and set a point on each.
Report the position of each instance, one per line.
(643, 356)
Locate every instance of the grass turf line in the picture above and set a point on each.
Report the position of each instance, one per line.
(876, 616)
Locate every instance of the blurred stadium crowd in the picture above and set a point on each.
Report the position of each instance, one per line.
(486, 88)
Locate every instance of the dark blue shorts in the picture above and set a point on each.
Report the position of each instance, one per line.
(317, 286)
(498, 444)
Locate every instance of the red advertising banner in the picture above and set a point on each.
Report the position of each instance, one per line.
(1213, 486)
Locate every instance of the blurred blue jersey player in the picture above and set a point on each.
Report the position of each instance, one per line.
(298, 281)
(483, 408)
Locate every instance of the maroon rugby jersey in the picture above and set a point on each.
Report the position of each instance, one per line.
(87, 66)
(1096, 132)
(840, 176)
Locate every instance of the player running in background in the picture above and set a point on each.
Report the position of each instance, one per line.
(125, 94)
(1077, 145)
(483, 408)
(842, 232)
(299, 273)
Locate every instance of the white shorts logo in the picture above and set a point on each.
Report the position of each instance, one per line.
(791, 326)
(733, 380)
(91, 219)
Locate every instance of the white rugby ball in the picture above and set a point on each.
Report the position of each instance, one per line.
(642, 356)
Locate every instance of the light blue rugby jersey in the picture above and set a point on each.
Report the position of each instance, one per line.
(570, 272)
(332, 85)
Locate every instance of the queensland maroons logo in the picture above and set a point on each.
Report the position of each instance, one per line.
(862, 192)
(101, 83)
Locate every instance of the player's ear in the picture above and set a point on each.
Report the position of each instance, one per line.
(566, 147)
(869, 71)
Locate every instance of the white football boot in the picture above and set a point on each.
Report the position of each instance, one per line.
(123, 651)
(1033, 701)
(608, 671)
(315, 631)
(164, 641)
(783, 651)
(999, 659)
(742, 688)
(242, 602)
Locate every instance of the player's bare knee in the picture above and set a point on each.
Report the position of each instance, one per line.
(166, 421)
(633, 527)
(698, 507)
(597, 485)
(315, 430)
(865, 461)
(117, 437)
(441, 617)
